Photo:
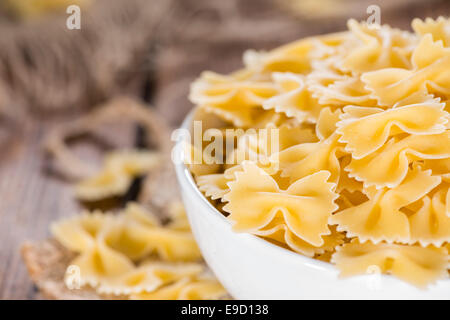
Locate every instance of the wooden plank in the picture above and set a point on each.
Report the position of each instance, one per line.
(32, 197)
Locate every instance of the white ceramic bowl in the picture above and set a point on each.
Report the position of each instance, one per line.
(252, 268)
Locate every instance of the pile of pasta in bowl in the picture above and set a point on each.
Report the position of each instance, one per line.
(361, 173)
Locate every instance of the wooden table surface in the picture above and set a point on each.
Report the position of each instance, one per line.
(29, 201)
(31, 197)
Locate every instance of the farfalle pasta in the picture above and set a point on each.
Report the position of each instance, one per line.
(295, 99)
(366, 134)
(431, 61)
(193, 288)
(255, 199)
(361, 174)
(380, 218)
(133, 254)
(235, 97)
(415, 264)
(117, 174)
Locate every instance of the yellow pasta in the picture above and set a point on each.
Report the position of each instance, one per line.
(361, 176)
(379, 48)
(131, 252)
(292, 57)
(258, 145)
(213, 185)
(79, 233)
(277, 230)
(304, 159)
(295, 100)
(255, 199)
(417, 265)
(331, 88)
(438, 28)
(326, 123)
(431, 223)
(196, 288)
(431, 63)
(367, 134)
(178, 217)
(440, 167)
(116, 176)
(237, 97)
(381, 218)
(388, 166)
(148, 277)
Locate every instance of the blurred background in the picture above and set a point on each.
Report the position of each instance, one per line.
(150, 49)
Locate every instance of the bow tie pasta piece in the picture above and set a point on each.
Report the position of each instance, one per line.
(379, 48)
(295, 57)
(137, 213)
(419, 97)
(438, 28)
(129, 239)
(335, 89)
(279, 232)
(266, 118)
(365, 135)
(326, 123)
(199, 161)
(304, 159)
(178, 218)
(213, 185)
(79, 233)
(137, 241)
(216, 186)
(255, 198)
(171, 245)
(431, 63)
(429, 52)
(295, 99)
(388, 166)
(128, 233)
(100, 262)
(234, 98)
(348, 199)
(440, 167)
(346, 183)
(148, 277)
(431, 223)
(260, 145)
(416, 265)
(116, 176)
(193, 288)
(255, 145)
(293, 135)
(381, 218)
